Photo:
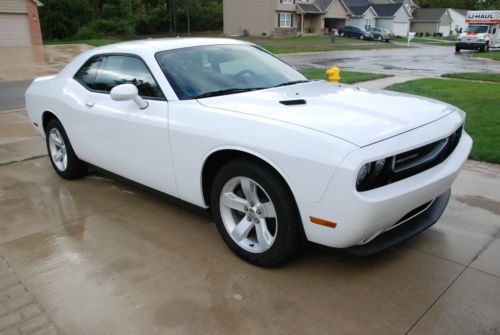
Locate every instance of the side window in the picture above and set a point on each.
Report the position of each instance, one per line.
(117, 70)
(87, 73)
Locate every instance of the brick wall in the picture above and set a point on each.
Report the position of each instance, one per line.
(34, 21)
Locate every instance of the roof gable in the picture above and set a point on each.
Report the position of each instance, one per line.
(429, 14)
(387, 9)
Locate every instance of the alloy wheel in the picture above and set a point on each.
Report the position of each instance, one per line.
(248, 214)
(57, 149)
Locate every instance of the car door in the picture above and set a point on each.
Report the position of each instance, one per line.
(118, 136)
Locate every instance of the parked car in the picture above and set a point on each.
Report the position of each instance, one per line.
(351, 31)
(277, 158)
(381, 34)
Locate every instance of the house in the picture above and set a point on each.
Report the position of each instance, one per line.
(458, 20)
(19, 23)
(381, 13)
(432, 21)
(283, 17)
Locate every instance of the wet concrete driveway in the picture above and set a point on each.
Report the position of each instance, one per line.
(99, 256)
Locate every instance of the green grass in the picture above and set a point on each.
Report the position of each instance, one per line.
(489, 55)
(277, 45)
(479, 100)
(282, 45)
(493, 77)
(346, 77)
(97, 42)
(428, 40)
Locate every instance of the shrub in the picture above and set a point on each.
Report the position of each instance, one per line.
(86, 33)
(115, 27)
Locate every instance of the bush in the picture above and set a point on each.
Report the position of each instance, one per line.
(427, 34)
(86, 33)
(114, 27)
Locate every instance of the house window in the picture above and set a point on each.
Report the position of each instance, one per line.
(289, 2)
(285, 20)
(368, 23)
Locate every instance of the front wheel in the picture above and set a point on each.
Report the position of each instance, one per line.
(255, 213)
(486, 48)
(361, 37)
(61, 153)
(457, 49)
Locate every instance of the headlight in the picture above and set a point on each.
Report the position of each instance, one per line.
(369, 173)
(363, 173)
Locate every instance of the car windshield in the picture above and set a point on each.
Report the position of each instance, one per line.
(477, 29)
(205, 71)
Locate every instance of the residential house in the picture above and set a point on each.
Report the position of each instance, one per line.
(432, 21)
(458, 20)
(381, 13)
(283, 17)
(19, 22)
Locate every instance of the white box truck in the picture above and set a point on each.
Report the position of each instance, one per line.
(482, 33)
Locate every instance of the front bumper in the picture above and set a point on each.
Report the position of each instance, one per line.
(406, 230)
(362, 216)
(470, 46)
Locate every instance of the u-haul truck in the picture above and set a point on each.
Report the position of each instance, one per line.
(482, 33)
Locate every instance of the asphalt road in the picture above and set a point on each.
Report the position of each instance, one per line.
(422, 60)
(12, 94)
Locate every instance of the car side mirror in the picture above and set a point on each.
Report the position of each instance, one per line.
(126, 92)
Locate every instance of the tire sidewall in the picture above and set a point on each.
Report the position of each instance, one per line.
(75, 168)
(287, 241)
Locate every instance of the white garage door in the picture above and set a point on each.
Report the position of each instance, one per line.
(400, 29)
(14, 29)
(445, 30)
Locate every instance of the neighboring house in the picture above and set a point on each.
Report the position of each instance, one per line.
(431, 21)
(381, 13)
(458, 20)
(362, 17)
(19, 23)
(283, 17)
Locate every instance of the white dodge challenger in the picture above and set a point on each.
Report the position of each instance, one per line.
(225, 125)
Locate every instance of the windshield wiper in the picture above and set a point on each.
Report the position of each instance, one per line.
(227, 91)
(292, 83)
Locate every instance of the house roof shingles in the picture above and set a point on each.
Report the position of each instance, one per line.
(387, 10)
(309, 8)
(359, 10)
(428, 14)
(357, 3)
(323, 4)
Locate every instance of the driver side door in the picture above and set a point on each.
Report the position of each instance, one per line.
(120, 137)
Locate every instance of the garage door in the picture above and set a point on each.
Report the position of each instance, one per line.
(14, 29)
(445, 30)
(400, 29)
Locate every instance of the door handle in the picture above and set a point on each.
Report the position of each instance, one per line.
(90, 104)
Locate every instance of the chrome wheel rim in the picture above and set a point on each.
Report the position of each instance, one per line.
(248, 214)
(57, 149)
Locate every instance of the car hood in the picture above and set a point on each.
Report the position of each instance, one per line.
(357, 115)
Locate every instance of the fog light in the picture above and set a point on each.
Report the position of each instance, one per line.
(363, 173)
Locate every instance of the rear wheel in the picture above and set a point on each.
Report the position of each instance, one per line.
(361, 37)
(61, 154)
(380, 38)
(342, 34)
(255, 213)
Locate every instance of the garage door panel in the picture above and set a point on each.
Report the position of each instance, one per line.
(400, 29)
(14, 29)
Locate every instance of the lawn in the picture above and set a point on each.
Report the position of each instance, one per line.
(427, 40)
(346, 77)
(479, 100)
(493, 77)
(489, 55)
(282, 45)
(274, 45)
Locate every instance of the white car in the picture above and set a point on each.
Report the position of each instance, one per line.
(225, 125)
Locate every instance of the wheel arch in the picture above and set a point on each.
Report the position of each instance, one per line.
(46, 117)
(216, 159)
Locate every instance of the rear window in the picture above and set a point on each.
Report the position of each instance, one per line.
(88, 72)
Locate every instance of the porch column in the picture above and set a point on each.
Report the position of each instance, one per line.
(302, 24)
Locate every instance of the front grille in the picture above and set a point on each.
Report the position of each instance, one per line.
(420, 159)
(409, 163)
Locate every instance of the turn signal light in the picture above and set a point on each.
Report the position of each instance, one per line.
(323, 222)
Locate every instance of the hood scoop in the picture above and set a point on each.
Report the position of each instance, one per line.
(293, 102)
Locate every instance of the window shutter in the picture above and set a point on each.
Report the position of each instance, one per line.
(291, 20)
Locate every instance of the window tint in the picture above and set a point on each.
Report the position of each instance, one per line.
(117, 70)
(86, 75)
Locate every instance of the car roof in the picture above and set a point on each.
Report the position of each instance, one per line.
(161, 44)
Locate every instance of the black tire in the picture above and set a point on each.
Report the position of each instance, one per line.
(287, 240)
(342, 34)
(486, 48)
(380, 38)
(361, 37)
(75, 168)
(457, 49)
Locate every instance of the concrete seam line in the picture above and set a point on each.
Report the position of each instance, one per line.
(22, 160)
